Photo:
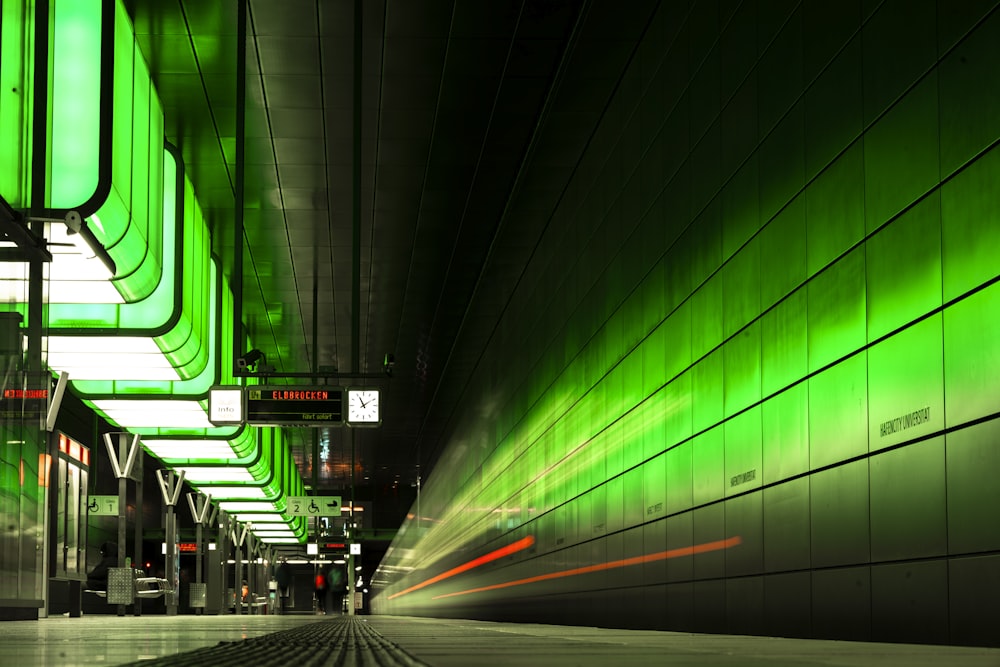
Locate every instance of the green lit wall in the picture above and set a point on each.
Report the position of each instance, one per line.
(747, 384)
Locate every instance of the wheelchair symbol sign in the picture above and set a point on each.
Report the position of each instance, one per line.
(313, 506)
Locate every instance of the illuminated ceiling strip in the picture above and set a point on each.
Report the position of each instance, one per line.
(520, 545)
(280, 540)
(233, 492)
(191, 450)
(214, 475)
(626, 562)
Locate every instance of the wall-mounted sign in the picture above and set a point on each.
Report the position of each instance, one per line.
(294, 406)
(225, 405)
(103, 505)
(313, 506)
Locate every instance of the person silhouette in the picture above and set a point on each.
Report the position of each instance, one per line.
(283, 576)
(97, 579)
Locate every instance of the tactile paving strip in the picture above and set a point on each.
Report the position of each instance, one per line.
(330, 643)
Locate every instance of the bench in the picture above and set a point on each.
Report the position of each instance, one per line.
(125, 584)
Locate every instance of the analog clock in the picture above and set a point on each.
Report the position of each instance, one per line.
(362, 406)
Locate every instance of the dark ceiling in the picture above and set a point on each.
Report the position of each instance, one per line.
(473, 116)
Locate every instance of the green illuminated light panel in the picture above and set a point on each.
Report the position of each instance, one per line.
(168, 303)
(16, 28)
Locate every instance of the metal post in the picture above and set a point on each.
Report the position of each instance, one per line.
(222, 546)
(239, 536)
(170, 486)
(137, 478)
(200, 506)
(123, 458)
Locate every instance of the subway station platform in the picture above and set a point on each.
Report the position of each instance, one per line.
(306, 640)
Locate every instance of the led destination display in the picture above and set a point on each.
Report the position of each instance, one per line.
(294, 406)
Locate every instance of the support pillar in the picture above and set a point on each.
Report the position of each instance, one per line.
(200, 506)
(170, 487)
(123, 455)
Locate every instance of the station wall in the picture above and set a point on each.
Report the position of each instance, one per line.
(747, 383)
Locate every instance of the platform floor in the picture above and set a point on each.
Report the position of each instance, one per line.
(112, 640)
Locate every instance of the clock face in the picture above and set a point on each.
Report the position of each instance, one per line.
(362, 406)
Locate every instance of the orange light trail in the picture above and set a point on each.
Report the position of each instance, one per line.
(626, 562)
(514, 547)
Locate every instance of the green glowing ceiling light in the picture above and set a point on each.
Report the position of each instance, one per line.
(214, 475)
(238, 507)
(262, 518)
(75, 102)
(191, 450)
(280, 540)
(225, 493)
(134, 414)
(16, 26)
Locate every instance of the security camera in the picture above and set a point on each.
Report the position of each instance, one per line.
(74, 223)
(249, 360)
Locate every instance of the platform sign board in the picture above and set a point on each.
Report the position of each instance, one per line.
(294, 406)
(103, 506)
(24, 396)
(313, 506)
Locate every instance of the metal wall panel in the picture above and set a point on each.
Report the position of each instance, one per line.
(910, 602)
(784, 344)
(680, 480)
(901, 291)
(785, 434)
(744, 520)
(709, 525)
(680, 534)
(906, 385)
(960, 76)
(709, 610)
(838, 412)
(838, 504)
(971, 356)
(788, 605)
(972, 459)
(786, 526)
(835, 222)
(708, 466)
(654, 541)
(841, 603)
(908, 502)
(743, 452)
(899, 170)
(745, 605)
(973, 590)
(783, 255)
(680, 606)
